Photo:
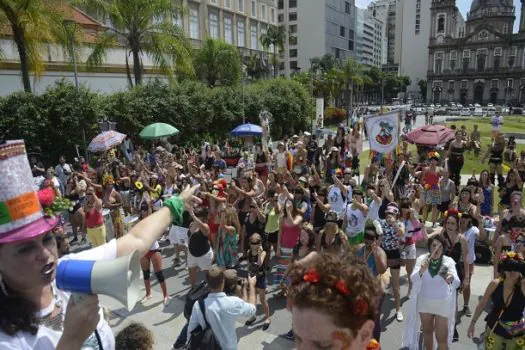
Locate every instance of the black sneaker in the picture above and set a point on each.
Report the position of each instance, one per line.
(456, 335)
(74, 240)
(466, 311)
(250, 321)
(290, 335)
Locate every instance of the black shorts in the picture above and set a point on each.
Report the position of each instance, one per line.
(443, 207)
(273, 237)
(393, 258)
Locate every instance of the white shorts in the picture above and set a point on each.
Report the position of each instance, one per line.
(178, 235)
(408, 252)
(202, 262)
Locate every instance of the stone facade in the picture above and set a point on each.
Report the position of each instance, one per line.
(480, 61)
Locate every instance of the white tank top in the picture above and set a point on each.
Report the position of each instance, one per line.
(337, 203)
(355, 220)
(281, 160)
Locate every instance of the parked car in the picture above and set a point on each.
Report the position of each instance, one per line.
(453, 111)
(491, 111)
(441, 111)
(465, 112)
(478, 112)
(517, 110)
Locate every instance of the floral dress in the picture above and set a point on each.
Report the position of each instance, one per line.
(226, 249)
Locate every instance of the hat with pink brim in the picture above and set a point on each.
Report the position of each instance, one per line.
(21, 215)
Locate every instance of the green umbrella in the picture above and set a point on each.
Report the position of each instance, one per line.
(158, 130)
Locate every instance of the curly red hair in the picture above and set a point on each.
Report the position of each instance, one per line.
(347, 312)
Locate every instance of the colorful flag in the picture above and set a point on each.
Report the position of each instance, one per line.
(383, 132)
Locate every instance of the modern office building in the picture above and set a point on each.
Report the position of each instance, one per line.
(385, 11)
(239, 22)
(316, 28)
(369, 48)
(412, 34)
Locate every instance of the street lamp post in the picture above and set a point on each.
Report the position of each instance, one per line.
(69, 27)
(241, 51)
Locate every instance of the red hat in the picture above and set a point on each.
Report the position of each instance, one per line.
(21, 216)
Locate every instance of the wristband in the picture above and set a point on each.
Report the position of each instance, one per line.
(176, 208)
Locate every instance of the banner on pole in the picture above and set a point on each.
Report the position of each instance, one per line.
(319, 113)
(382, 132)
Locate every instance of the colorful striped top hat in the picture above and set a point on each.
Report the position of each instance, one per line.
(21, 216)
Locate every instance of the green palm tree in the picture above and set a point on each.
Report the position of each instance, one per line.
(334, 82)
(34, 24)
(352, 74)
(254, 67)
(218, 62)
(144, 27)
(276, 36)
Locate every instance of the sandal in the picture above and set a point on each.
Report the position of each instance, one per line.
(266, 325)
(250, 321)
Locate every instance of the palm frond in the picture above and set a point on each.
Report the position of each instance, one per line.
(98, 54)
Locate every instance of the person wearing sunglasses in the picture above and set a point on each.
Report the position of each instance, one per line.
(257, 267)
(374, 257)
(331, 238)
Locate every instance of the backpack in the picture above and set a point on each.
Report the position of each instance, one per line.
(203, 339)
(199, 292)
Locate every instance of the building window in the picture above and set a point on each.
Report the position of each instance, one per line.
(281, 66)
(293, 65)
(214, 25)
(292, 29)
(342, 31)
(497, 62)
(337, 53)
(441, 24)
(292, 4)
(292, 40)
(351, 34)
(350, 45)
(438, 63)
(254, 41)
(254, 9)
(466, 63)
(510, 83)
(481, 59)
(292, 16)
(240, 32)
(453, 59)
(228, 4)
(505, 28)
(179, 21)
(494, 83)
(240, 6)
(451, 85)
(464, 84)
(497, 51)
(483, 35)
(194, 23)
(280, 18)
(263, 12)
(347, 7)
(293, 52)
(512, 56)
(272, 15)
(228, 30)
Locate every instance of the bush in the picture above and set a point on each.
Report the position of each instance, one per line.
(334, 115)
(52, 123)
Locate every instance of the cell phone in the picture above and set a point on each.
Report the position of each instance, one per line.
(242, 273)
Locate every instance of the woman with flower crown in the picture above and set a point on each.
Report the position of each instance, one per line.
(505, 328)
(429, 178)
(433, 299)
(334, 302)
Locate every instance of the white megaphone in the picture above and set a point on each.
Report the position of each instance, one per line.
(119, 278)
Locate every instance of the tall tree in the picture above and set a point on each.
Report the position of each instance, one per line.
(255, 68)
(218, 62)
(34, 24)
(352, 73)
(423, 89)
(145, 28)
(276, 37)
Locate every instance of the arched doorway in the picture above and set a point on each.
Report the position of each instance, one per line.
(494, 96)
(436, 94)
(478, 94)
(522, 94)
(463, 96)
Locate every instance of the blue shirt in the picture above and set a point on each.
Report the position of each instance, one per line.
(222, 312)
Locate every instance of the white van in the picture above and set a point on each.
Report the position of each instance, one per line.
(478, 112)
(465, 112)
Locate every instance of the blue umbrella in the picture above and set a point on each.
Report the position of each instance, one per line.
(247, 130)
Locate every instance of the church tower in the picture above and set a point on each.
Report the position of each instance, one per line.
(444, 20)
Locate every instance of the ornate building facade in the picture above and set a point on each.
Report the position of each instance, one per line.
(480, 62)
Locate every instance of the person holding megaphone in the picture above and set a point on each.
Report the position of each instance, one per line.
(34, 312)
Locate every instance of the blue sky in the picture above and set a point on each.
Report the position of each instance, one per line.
(463, 5)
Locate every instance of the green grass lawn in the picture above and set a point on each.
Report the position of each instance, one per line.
(514, 124)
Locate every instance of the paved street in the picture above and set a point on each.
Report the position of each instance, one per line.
(166, 322)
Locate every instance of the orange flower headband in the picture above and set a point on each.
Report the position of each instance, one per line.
(511, 256)
(452, 212)
(360, 305)
(433, 154)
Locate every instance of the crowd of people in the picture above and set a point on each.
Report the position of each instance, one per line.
(299, 216)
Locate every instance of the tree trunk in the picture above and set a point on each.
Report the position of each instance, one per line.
(128, 71)
(274, 62)
(137, 66)
(24, 61)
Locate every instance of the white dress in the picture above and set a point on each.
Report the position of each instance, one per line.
(413, 321)
(46, 338)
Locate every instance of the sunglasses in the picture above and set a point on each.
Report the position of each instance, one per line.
(255, 243)
(369, 237)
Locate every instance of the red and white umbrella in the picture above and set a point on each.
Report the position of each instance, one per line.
(105, 141)
(430, 135)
